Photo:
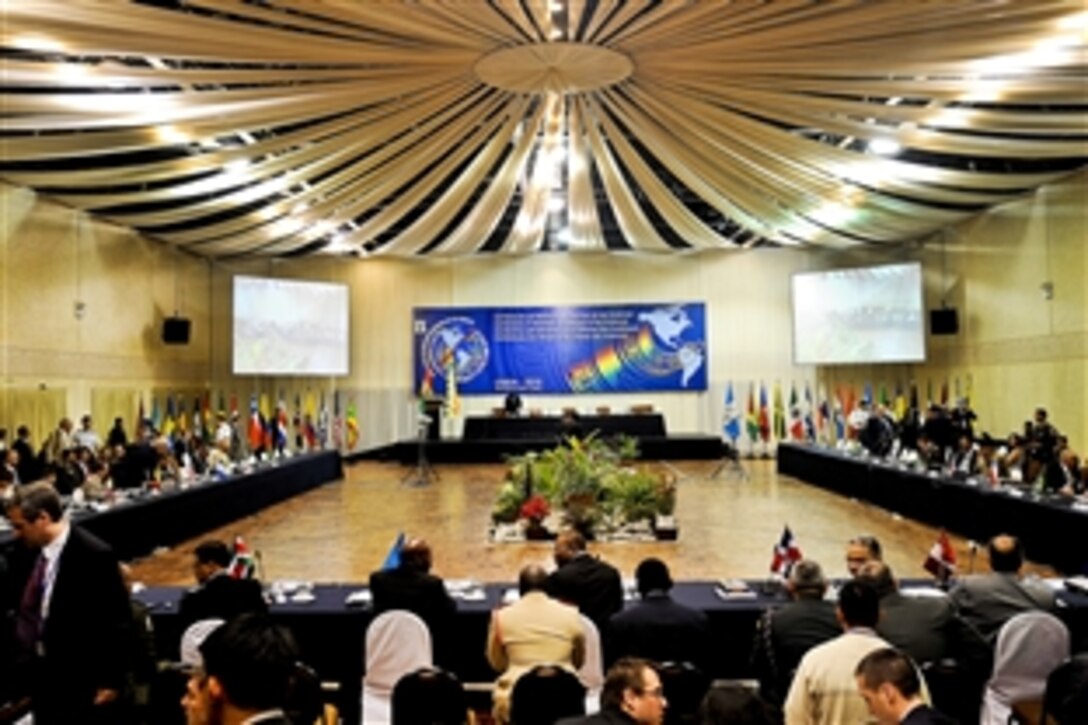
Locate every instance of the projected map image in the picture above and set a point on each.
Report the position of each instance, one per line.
(286, 327)
(871, 314)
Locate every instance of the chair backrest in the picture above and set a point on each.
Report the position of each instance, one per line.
(305, 701)
(1067, 691)
(685, 686)
(397, 643)
(591, 673)
(430, 696)
(1030, 646)
(545, 694)
(193, 637)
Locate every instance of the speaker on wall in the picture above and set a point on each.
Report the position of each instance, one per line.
(175, 330)
(945, 321)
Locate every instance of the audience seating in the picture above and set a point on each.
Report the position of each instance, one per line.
(545, 694)
(397, 643)
(429, 695)
(956, 688)
(1030, 646)
(591, 673)
(685, 686)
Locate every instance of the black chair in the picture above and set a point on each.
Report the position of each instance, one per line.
(1067, 692)
(429, 696)
(685, 685)
(956, 688)
(545, 694)
(737, 705)
(305, 702)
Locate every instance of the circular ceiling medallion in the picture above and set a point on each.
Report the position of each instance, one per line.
(553, 68)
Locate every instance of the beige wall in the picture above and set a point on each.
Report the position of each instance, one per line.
(53, 362)
(1019, 349)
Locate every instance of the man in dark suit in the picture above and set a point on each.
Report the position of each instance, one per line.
(218, 595)
(584, 580)
(925, 628)
(632, 695)
(888, 681)
(28, 467)
(658, 628)
(412, 587)
(986, 601)
(72, 618)
(248, 668)
(784, 635)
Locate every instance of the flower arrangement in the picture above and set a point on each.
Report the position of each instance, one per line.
(535, 508)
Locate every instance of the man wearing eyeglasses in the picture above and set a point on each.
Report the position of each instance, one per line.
(632, 695)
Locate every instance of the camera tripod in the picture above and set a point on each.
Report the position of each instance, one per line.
(423, 474)
(729, 466)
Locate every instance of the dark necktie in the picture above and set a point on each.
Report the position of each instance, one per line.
(28, 623)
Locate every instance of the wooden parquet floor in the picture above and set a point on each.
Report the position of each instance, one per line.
(342, 531)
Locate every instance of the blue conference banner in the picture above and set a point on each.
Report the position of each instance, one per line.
(590, 349)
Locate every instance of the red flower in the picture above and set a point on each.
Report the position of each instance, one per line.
(535, 508)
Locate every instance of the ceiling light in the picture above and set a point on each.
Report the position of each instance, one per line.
(170, 134)
(556, 204)
(33, 41)
(884, 146)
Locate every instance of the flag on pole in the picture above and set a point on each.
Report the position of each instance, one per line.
(824, 427)
(731, 426)
(840, 418)
(779, 413)
(900, 403)
(392, 559)
(884, 399)
(867, 394)
(242, 566)
(809, 414)
(941, 561)
(297, 423)
(797, 423)
(337, 422)
(279, 425)
(198, 419)
(453, 397)
(323, 424)
(944, 392)
(351, 427)
(183, 415)
(168, 419)
(255, 433)
(764, 414)
(786, 554)
(751, 419)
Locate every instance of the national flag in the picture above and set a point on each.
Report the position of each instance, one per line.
(956, 384)
(264, 408)
(297, 422)
(809, 415)
(426, 387)
(351, 427)
(797, 424)
(392, 559)
(867, 394)
(323, 424)
(941, 561)
(884, 399)
(183, 416)
(779, 413)
(337, 422)
(944, 392)
(280, 433)
(731, 426)
(233, 404)
(900, 403)
(255, 433)
(198, 419)
(243, 565)
(914, 395)
(751, 419)
(824, 417)
(764, 415)
(168, 420)
(453, 397)
(786, 554)
(840, 418)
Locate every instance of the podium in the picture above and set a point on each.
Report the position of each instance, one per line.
(433, 409)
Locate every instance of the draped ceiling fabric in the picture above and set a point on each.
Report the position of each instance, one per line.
(286, 127)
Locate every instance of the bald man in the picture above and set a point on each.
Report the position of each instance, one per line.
(986, 601)
(412, 587)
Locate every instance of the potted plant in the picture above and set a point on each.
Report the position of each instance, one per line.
(534, 511)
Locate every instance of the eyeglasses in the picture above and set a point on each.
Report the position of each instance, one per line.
(658, 692)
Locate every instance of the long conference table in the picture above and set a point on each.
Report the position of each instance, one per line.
(479, 428)
(137, 527)
(331, 633)
(1051, 528)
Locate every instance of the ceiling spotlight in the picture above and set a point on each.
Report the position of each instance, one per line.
(885, 146)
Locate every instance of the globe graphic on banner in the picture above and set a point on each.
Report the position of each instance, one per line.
(459, 338)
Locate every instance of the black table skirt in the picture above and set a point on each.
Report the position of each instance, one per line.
(1050, 528)
(492, 428)
(137, 528)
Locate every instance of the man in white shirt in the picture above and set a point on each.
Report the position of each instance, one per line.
(85, 437)
(824, 690)
(248, 665)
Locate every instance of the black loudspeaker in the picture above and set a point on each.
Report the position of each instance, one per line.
(944, 321)
(175, 330)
